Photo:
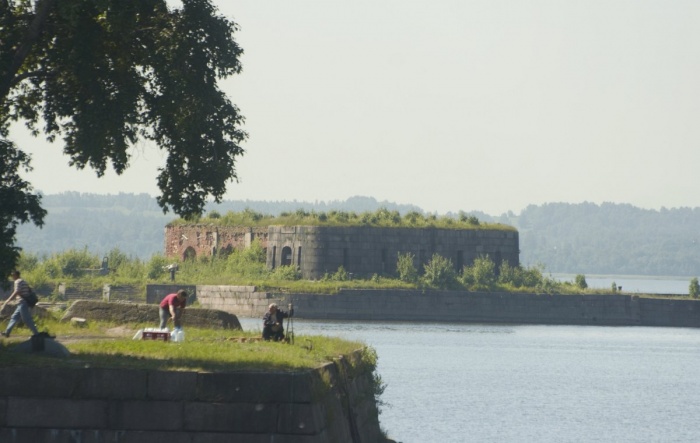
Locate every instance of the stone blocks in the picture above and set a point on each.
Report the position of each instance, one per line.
(132, 406)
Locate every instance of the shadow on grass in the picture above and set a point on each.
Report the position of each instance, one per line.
(162, 361)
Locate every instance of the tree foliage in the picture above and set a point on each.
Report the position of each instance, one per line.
(481, 274)
(694, 288)
(103, 75)
(439, 272)
(406, 269)
(610, 238)
(17, 203)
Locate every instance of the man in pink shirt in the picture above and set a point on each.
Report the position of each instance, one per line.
(172, 307)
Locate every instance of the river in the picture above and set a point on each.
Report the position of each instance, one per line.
(530, 383)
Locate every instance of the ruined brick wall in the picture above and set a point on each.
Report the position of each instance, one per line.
(361, 250)
(205, 240)
(364, 251)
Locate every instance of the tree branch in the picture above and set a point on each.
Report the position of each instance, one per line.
(8, 80)
(18, 78)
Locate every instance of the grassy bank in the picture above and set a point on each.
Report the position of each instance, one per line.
(111, 346)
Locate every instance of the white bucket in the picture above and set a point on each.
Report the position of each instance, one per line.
(177, 336)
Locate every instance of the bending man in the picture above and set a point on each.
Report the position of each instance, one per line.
(172, 307)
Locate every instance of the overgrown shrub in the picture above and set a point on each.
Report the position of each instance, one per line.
(74, 263)
(440, 273)
(155, 268)
(694, 288)
(288, 273)
(511, 275)
(406, 268)
(580, 281)
(340, 275)
(484, 272)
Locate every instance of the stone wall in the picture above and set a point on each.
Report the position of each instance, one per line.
(205, 240)
(462, 306)
(155, 293)
(365, 250)
(121, 313)
(361, 250)
(92, 405)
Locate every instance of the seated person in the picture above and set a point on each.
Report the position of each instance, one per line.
(272, 322)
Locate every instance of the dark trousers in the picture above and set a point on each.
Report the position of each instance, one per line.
(269, 334)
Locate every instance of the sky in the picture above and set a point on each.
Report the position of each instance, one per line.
(451, 105)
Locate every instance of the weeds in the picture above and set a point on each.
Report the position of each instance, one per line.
(247, 267)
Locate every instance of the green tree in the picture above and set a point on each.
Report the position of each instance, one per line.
(406, 269)
(105, 75)
(481, 274)
(440, 273)
(17, 204)
(694, 288)
(580, 281)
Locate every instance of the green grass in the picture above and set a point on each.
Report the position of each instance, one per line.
(204, 350)
(380, 218)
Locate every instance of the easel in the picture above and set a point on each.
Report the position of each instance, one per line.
(290, 325)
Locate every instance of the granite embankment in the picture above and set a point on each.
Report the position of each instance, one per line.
(333, 403)
(459, 306)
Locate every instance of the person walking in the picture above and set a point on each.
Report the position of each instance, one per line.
(23, 312)
(172, 307)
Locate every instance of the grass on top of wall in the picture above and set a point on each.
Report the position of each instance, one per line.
(380, 218)
(204, 350)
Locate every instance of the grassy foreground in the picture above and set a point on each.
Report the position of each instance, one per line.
(204, 350)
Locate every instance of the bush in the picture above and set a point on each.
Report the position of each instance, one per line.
(406, 269)
(74, 263)
(484, 272)
(532, 277)
(580, 281)
(155, 268)
(440, 273)
(694, 288)
(288, 273)
(255, 253)
(340, 275)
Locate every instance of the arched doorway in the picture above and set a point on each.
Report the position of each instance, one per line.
(190, 254)
(286, 256)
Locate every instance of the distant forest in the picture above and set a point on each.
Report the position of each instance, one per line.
(581, 238)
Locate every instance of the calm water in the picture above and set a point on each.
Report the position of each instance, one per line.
(634, 284)
(503, 383)
(530, 383)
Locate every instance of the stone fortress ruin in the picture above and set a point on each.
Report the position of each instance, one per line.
(361, 250)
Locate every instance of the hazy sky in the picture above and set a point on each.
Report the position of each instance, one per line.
(486, 105)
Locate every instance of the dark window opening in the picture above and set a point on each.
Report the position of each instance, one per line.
(190, 254)
(286, 256)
